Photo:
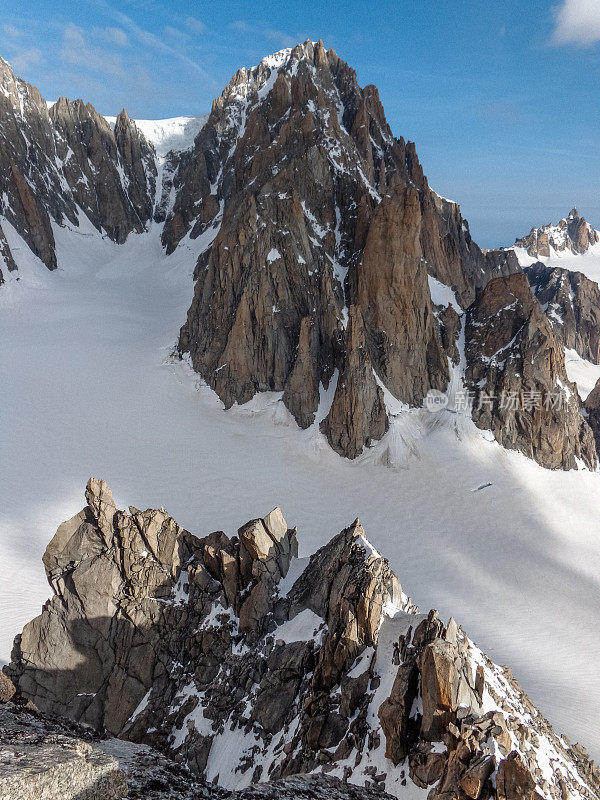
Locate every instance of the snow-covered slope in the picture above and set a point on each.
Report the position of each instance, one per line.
(582, 372)
(571, 244)
(588, 263)
(177, 133)
(88, 389)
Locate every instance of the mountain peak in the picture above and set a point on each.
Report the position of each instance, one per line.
(571, 234)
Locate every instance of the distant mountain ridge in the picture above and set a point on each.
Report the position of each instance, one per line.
(572, 233)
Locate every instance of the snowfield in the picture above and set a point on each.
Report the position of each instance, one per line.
(177, 133)
(510, 550)
(588, 263)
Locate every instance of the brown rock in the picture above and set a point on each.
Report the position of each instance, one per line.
(514, 781)
(394, 713)
(400, 327)
(592, 409)
(427, 768)
(439, 687)
(572, 305)
(357, 415)
(572, 233)
(474, 779)
(7, 688)
(301, 393)
(516, 369)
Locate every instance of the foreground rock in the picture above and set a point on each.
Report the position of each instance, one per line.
(516, 370)
(42, 759)
(50, 758)
(245, 664)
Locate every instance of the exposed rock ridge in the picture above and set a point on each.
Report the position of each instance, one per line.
(572, 234)
(516, 369)
(245, 664)
(309, 206)
(571, 302)
(58, 162)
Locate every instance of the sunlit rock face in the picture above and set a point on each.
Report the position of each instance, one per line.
(245, 664)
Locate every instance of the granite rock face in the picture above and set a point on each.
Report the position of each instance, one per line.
(244, 665)
(357, 415)
(57, 163)
(591, 407)
(571, 302)
(572, 234)
(308, 207)
(516, 371)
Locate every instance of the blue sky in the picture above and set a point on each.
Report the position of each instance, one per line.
(501, 98)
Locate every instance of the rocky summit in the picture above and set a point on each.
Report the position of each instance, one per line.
(316, 213)
(324, 264)
(245, 666)
(573, 234)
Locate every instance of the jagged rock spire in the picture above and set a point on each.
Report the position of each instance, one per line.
(187, 643)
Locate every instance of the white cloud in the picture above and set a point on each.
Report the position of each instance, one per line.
(24, 59)
(11, 31)
(116, 36)
(577, 22)
(279, 37)
(77, 51)
(148, 39)
(195, 25)
(175, 33)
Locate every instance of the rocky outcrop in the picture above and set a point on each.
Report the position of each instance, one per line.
(6, 257)
(26, 163)
(245, 665)
(516, 372)
(357, 415)
(572, 234)
(571, 302)
(307, 206)
(57, 163)
(40, 759)
(106, 171)
(392, 290)
(591, 408)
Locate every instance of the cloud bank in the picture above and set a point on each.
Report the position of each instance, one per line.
(577, 22)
